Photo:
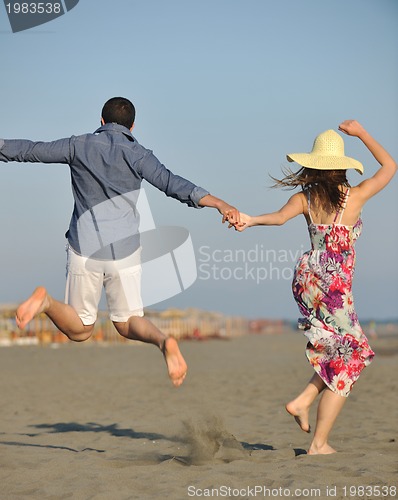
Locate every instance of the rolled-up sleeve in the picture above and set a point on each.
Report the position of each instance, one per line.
(172, 185)
(21, 150)
(197, 194)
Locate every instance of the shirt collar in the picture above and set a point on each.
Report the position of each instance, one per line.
(115, 127)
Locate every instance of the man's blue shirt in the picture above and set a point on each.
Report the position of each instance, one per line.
(107, 165)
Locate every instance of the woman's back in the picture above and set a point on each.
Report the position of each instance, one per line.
(348, 215)
(332, 235)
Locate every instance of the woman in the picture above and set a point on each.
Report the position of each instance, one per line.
(337, 349)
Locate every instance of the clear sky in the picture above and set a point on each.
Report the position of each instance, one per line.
(223, 90)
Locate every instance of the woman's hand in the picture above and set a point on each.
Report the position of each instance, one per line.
(351, 127)
(245, 221)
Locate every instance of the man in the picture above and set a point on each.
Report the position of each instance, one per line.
(107, 168)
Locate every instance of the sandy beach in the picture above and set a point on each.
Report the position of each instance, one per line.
(88, 421)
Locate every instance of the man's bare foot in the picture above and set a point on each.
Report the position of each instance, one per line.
(176, 365)
(300, 415)
(36, 304)
(321, 450)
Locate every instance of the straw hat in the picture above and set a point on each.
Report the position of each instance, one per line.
(327, 154)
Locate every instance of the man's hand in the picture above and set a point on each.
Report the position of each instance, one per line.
(228, 212)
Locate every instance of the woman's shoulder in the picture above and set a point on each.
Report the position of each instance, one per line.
(303, 196)
(300, 197)
(300, 200)
(355, 193)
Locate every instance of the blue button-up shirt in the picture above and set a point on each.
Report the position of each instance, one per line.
(107, 168)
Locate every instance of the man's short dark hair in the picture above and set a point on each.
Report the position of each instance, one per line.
(119, 110)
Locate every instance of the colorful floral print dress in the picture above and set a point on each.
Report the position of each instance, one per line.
(337, 349)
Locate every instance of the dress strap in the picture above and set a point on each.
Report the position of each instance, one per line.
(309, 206)
(344, 205)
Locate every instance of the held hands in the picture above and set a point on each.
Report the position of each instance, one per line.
(229, 214)
(239, 225)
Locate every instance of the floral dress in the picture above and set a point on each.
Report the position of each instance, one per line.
(337, 349)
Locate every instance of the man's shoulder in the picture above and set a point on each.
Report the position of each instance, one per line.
(109, 143)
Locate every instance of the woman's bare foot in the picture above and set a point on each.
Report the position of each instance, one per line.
(36, 304)
(321, 450)
(176, 365)
(300, 415)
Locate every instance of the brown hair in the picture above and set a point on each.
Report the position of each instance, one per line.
(323, 185)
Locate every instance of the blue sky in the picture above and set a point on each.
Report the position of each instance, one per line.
(223, 90)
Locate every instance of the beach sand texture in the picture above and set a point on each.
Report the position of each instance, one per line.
(94, 422)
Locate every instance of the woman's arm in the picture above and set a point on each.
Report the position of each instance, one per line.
(370, 187)
(295, 206)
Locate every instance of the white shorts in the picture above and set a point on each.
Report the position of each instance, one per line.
(121, 280)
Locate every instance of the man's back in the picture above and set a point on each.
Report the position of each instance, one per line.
(106, 183)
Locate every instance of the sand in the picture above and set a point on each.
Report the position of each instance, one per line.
(86, 421)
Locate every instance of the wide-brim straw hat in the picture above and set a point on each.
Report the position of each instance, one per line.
(327, 154)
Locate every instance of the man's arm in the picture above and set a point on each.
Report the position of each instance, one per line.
(182, 189)
(229, 213)
(22, 150)
(170, 184)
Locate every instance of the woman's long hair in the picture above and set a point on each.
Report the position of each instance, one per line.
(323, 185)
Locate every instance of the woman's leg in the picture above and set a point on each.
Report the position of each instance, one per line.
(299, 407)
(329, 408)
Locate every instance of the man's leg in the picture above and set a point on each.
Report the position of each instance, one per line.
(139, 328)
(122, 283)
(62, 315)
